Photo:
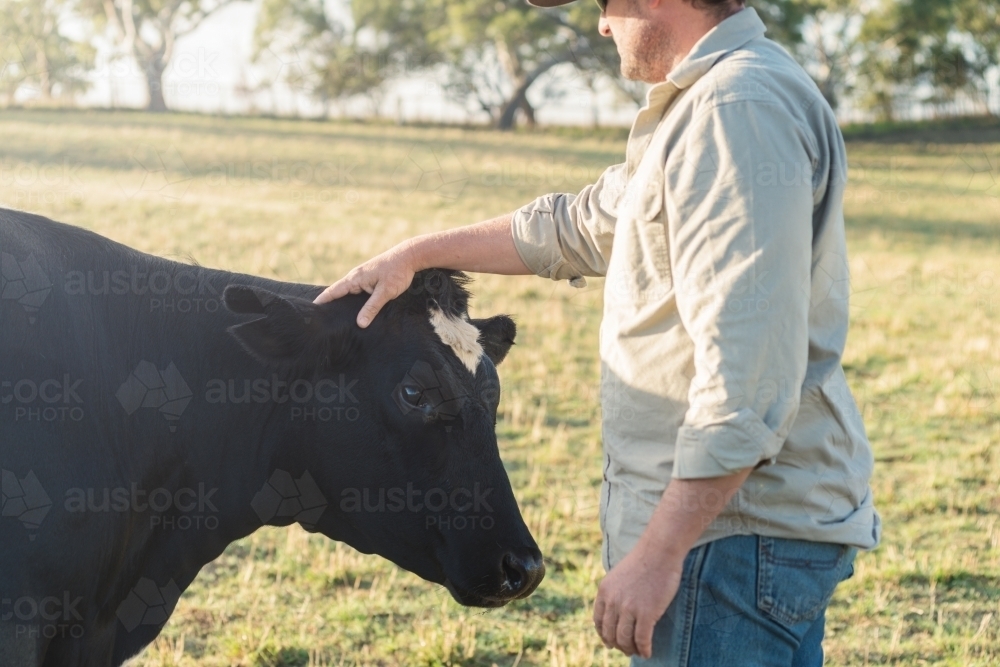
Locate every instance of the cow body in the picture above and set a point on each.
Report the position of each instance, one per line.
(149, 417)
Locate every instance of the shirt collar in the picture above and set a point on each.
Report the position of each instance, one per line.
(729, 35)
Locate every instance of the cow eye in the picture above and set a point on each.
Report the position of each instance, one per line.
(411, 395)
(414, 397)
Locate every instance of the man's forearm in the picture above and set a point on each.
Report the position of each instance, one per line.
(686, 509)
(639, 589)
(485, 247)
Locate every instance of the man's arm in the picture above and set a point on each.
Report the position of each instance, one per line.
(558, 236)
(486, 247)
(634, 595)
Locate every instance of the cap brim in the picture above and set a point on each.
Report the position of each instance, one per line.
(549, 3)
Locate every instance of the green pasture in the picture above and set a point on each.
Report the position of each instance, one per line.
(306, 201)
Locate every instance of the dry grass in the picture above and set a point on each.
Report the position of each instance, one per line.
(306, 201)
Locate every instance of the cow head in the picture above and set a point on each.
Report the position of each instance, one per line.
(410, 465)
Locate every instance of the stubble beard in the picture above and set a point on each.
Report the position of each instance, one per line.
(648, 54)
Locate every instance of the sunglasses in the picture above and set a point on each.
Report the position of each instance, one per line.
(603, 4)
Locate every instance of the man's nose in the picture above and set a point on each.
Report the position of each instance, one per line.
(603, 27)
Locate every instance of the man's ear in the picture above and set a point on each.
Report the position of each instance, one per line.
(496, 335)
(290, 329)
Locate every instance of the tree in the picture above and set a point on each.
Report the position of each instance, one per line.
(921, 43)
(148, 30)
(889, 50)
(35, 54)
(822, 35)
(526, 43)
(981, 21)
(490, 52)
(344, 59)
(784, 18)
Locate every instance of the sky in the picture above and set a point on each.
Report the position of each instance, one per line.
(211, 70)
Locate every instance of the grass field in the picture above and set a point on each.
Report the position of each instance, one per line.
(307, 201)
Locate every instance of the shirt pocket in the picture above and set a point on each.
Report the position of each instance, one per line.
(796, 578)
(639, 271)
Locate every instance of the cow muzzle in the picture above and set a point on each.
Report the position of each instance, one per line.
(522, 573)
(517, 576)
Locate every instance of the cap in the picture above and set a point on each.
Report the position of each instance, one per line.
(549, 3)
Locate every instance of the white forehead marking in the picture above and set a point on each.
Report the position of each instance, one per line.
(460, 335)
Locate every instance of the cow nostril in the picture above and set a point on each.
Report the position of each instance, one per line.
(522, 574)
(514, 574)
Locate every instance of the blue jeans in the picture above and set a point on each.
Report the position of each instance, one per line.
(751, 601)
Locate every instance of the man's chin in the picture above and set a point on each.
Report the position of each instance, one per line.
(633, 73)
(640, 79)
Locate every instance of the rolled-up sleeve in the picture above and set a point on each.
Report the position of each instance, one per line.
(739, 216)
(566, 236)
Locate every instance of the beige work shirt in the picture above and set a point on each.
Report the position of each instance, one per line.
(722, 241)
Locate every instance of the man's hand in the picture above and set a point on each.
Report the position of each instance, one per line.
(384, 277)
(633, 597)
(638, 590)
(486, 247)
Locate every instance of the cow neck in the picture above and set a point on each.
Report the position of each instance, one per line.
(221, 441)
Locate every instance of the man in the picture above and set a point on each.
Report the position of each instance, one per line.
(736, 487)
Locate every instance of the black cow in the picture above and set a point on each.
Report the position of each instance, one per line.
(153, 412)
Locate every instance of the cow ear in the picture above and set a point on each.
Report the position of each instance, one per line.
(496, 335)
(290, 330)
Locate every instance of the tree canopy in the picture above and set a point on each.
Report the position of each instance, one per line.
(488, 52)
(503, 58)
(148, 31)
(36, 55)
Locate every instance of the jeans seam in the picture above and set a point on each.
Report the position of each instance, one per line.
(691, 604)
(763, 580)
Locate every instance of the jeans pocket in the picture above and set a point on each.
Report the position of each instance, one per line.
(796, 578)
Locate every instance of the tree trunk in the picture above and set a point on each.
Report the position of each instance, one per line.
(886, 111)
(519, 100)
(528, 111)
(828, 88)
(154, 86)
(44, 80)
(510, 107)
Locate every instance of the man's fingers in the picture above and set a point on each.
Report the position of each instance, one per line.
(598, 612)
(644, 637)
(625, 636)
(380, 296)
(340, 288)
(609, 626)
